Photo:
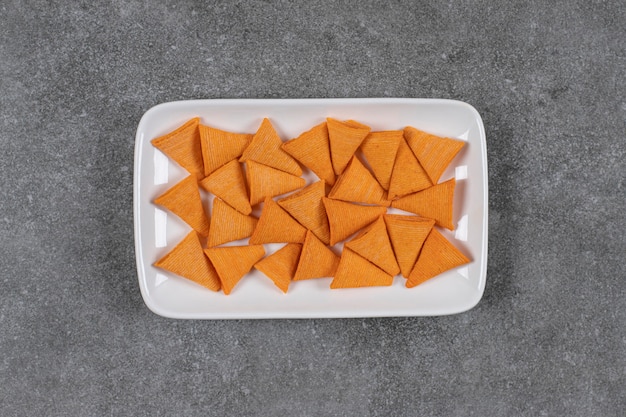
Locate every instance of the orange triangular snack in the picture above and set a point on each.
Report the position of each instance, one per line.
(276, 225)
(220, 147)
(307, 208)
(316, 260)
(346, 218)
(357, 184)
(233, 262)
(408, 175)
(183, 199)
(264, 181)
(433, 152)
(228, 184)
(345, 138)
(312, 149)
(355, 271)
(183, 146)
(188, 260)
(379, 149)
(374, 245)
(407, 234)
(434, 202)
(265, 149)
(280, 266)
(438, 255)
(227, 224)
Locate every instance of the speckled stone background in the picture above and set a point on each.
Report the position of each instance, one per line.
(549, 336)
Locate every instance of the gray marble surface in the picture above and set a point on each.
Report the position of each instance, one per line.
(549, 336)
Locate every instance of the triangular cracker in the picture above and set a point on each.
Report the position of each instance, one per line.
(280, 266)
(276, 226)
(229, 184)
(227, 224)
(357, 184)
(183, 146)
(307, 208)
(316, 259)
(438, 255)
(433, 152)
(183, 199)
(312, 149)
(265, 149)
(264, 181)
(434, 202)
(407, 234)
(379, 149)
(233, 262)
(355, 271)
(408, 175)
(220, 147)
(346, 219)
(374, 245)
(188, 260)
(345, 138)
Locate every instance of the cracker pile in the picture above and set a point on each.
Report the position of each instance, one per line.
(360, 175)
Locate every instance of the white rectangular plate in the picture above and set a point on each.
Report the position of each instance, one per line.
(157, 232)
